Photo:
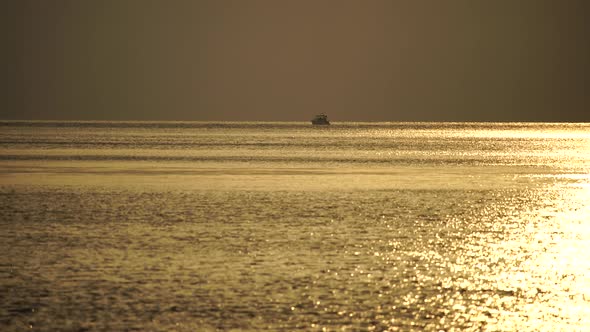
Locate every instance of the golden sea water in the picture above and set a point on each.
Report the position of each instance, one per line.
(249, 226)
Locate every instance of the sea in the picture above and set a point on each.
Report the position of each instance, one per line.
(286, 226)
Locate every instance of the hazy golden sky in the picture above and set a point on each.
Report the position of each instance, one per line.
(356, 60)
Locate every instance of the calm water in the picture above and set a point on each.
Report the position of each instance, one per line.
(283, 226)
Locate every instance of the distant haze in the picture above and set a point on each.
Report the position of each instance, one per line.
(278, 60)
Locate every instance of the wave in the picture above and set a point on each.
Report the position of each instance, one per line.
(508, 160)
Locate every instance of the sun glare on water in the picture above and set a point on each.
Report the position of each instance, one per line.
(546, 264)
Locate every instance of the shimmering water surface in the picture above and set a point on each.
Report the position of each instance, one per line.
(147, 226)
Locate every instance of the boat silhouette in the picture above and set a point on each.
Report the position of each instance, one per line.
(320, 119)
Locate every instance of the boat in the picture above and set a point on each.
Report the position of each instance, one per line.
(320, 119)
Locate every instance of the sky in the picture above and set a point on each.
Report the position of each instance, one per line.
(287, 60)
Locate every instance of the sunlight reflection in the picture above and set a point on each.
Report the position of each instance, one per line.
(549, 274)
